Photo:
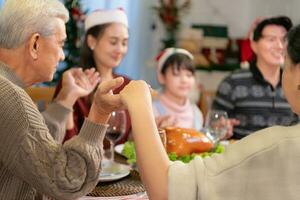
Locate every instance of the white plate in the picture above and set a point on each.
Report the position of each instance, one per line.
(119, 148)
(113, 172)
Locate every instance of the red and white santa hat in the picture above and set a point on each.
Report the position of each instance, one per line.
(99, 17)
(166, 53)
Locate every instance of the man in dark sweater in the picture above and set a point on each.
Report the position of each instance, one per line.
(254, 96)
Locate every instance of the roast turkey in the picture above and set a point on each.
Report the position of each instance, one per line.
(184, 141)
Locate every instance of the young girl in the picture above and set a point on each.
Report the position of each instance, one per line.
(104, 47)
(175, 72)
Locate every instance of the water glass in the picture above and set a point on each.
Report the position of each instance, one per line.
(216, 125)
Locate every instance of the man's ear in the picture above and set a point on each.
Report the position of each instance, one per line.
(34, 44)
(91, 42)
(253, 45)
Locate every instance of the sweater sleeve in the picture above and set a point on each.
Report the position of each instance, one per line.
(69, 133)
(31, 154)
(55, 118)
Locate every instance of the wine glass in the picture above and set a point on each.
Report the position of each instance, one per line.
(115, 130)
(216, 125)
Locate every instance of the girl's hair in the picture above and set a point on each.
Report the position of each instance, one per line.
(293, 47)
(86, 54)
(178, 61)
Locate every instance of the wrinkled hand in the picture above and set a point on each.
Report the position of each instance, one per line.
(230, 125)
(105, 101)
(136, 93)
(165, 121)
(80, 83)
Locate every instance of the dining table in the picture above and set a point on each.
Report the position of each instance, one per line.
(138, 196)
(127, 188)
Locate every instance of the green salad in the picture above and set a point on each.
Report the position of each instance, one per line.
(129, 152)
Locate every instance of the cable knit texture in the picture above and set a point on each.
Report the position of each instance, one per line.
(31, 152)
(262, 166)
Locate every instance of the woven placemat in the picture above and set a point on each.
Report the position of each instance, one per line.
(131, 184)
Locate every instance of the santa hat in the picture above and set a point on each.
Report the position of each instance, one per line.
(99, 17)
(166, 53)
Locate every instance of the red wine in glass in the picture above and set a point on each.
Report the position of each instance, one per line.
(116, 129)
(113, 135)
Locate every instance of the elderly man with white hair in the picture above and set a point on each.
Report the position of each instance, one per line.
(32, 158)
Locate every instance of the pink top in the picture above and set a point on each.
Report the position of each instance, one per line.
(187, 115)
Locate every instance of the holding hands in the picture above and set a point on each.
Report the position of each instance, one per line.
(104, 100)
(135, 95)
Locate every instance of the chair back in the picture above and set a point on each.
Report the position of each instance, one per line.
(42, 96)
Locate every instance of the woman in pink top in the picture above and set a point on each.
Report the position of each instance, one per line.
(175, 72)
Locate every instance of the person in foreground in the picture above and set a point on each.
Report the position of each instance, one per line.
(255, 96)
(265, 165)
(32, 158)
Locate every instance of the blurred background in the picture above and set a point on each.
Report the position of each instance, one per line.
(213, 30)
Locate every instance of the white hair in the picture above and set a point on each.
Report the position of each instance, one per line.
(19, 19)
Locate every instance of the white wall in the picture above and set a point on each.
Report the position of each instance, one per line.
(239, 14)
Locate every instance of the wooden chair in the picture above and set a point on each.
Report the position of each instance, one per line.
(42, 96)
(206, 99)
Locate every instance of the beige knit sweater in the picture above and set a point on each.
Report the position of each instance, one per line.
(31, 155)
(262, 166)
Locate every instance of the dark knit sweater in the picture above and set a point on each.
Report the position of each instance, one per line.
(248, 97)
